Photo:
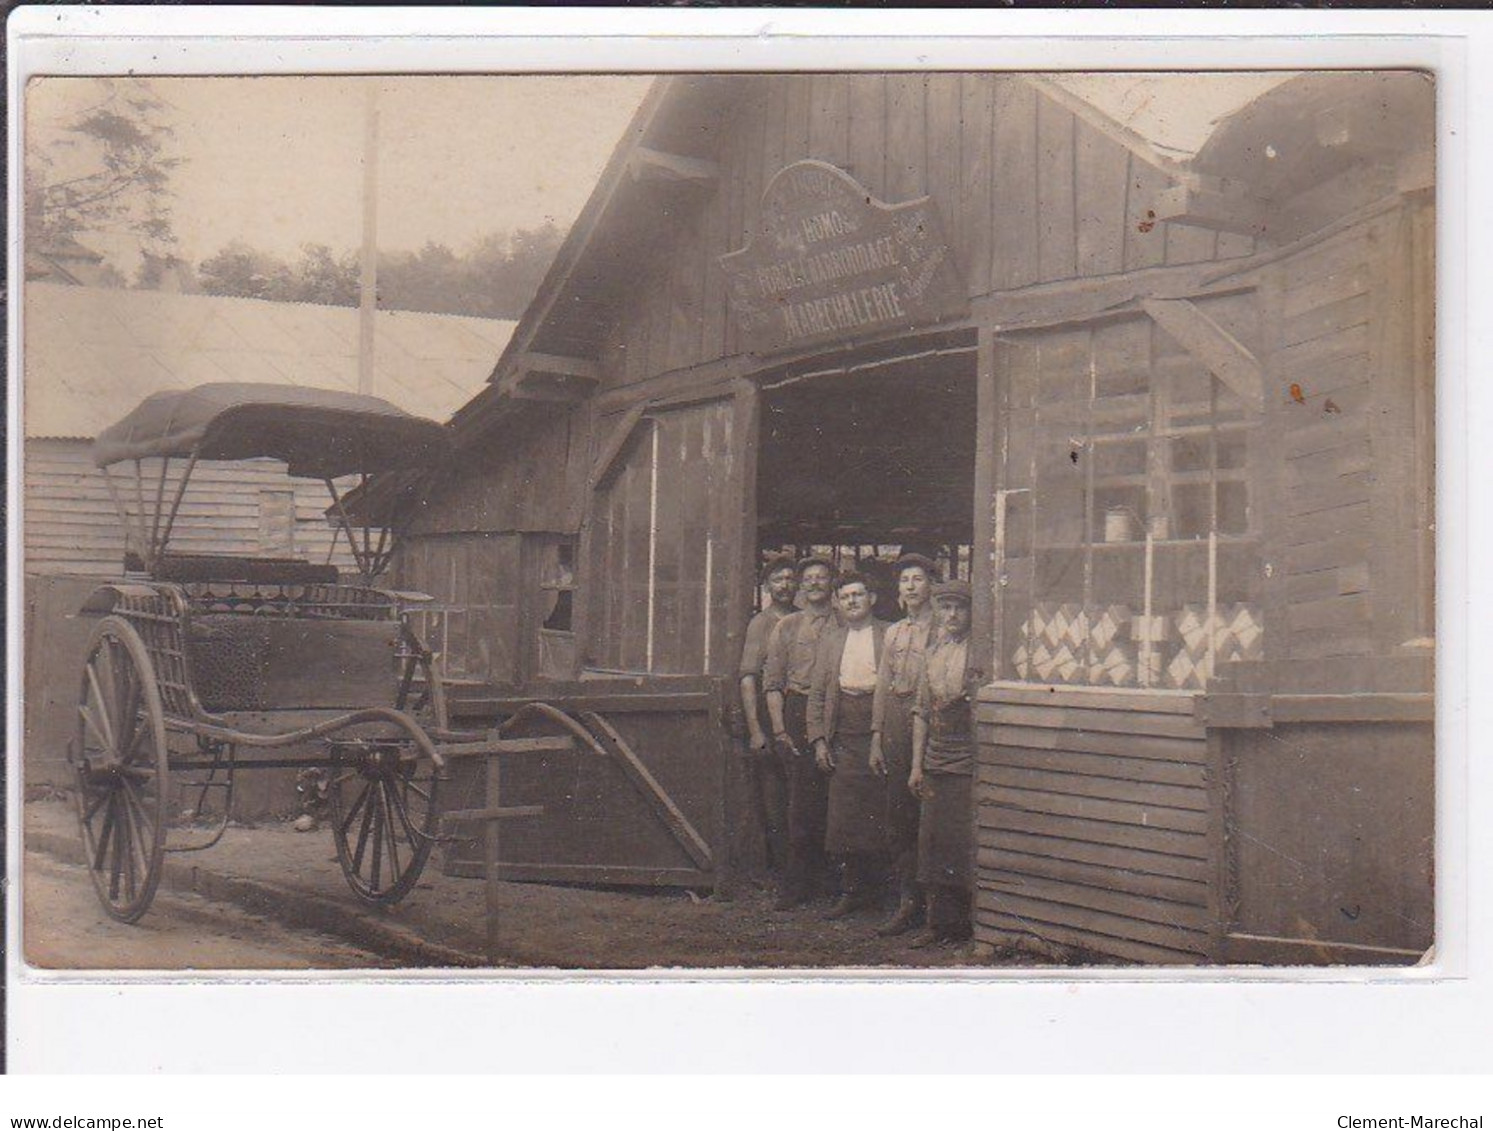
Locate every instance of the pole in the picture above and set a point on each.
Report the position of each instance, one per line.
(494, 853)
(368, 278)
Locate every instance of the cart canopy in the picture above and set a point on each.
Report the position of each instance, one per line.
(318, 433)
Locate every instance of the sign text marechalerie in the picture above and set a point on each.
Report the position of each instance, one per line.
(830, 262)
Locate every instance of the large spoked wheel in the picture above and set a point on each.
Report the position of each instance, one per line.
(120, 763)
(384, 811)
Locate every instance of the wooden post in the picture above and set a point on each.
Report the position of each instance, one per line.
(491, 843)
(983, 567)
(368, 296)
(740, 541)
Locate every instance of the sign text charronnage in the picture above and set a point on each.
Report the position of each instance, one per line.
(829, 261)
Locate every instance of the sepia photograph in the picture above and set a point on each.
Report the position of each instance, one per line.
(891, 521)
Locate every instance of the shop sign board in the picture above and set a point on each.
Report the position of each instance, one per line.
(829, 262)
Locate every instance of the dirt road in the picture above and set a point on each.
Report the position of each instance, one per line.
(66, 928)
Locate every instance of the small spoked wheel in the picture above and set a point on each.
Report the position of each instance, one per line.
(383, 794)
(119, 761)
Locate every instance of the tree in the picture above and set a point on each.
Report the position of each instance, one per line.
(323, 278)
(104, 168)
(240, 270)
(495, 279)
(504, 271)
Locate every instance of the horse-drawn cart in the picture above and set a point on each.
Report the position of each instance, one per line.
(204, 665)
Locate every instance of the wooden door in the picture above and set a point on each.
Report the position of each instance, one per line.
(639, 801)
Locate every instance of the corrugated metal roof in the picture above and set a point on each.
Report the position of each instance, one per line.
(93, 353)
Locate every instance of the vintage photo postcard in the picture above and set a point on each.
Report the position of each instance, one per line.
(938, 520)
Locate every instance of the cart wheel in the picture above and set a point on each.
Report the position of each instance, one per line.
(119, 760)
(384, 812)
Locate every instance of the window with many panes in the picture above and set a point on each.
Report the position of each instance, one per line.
(1129, 544)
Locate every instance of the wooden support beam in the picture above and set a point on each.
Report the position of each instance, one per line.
(644, 164)
(1224, 355)
(558, 744)
(1218, 209)
(610, 455)
(548, 363)
(493, 813)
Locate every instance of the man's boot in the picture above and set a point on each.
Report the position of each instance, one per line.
(909, 914)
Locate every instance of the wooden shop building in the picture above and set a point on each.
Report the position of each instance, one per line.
(1173, 419)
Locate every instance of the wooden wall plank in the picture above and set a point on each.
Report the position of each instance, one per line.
(906, 97)
(1112, 858)
(1181, 750)
(829, 118)
(1088, 698)
(1102, 168)
(972, 229)
(1164, 913)
(774, 142)
(1325, 318)
(1057, 205)
(866, 95)
(796, 117)
(1192, 892)
(943, 145)
(1186, 244)
(1047, 803)
(1014, 218)
(1099, 787)
(1099, 923)
(1069, 761)
(1145, 239)
(1065, 935)
(1121, 835)
(1111, 722)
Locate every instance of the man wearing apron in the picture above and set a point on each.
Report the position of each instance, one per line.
(792, 652)
(767, 786)
(891, 733)
(943, 756)
(840, 731)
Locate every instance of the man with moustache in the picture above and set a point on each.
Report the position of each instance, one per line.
(792, 654)
(897, 680)
(943, 758)
(840, 731)
(765, 777)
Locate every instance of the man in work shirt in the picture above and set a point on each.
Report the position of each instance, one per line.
(765, 778)
(840, 731)
(788, 677)
(943, 758)
(891, 732)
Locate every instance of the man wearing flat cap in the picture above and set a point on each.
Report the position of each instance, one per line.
(943, 758)
(788, 677)
(897, 679)
(768, 787)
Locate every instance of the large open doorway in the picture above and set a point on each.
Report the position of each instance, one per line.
(868, 459)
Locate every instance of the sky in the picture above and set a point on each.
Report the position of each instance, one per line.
(276, 162)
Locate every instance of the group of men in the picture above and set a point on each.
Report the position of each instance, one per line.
(860, 742)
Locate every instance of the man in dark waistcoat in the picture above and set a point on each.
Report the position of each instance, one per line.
(792, 652)
(767, 785)
(943, 757)
(839, 728)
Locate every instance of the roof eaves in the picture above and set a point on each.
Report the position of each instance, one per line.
(579, 237)
(1116, 131)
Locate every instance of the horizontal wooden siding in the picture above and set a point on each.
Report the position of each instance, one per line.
(1091, 821)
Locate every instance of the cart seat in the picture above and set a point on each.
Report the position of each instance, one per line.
(250, 663)
(228, 567)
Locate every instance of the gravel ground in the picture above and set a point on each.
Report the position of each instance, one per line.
(293, 878)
